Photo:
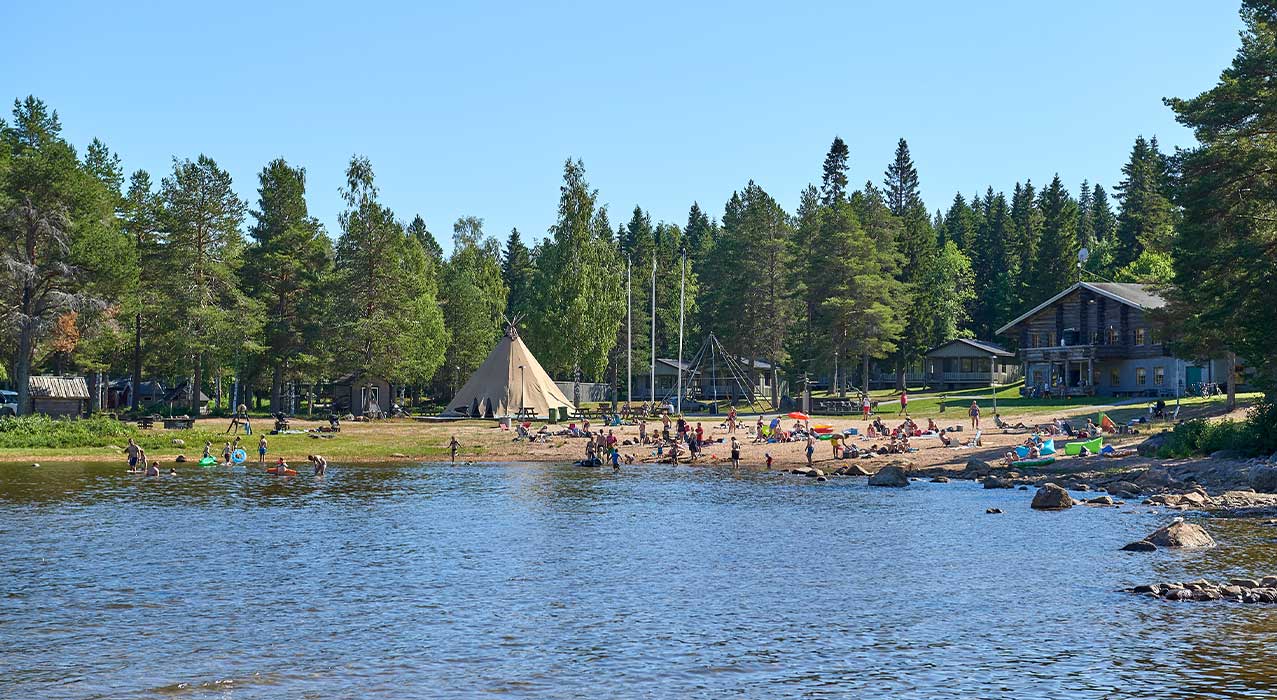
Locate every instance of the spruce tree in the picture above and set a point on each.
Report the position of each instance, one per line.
(417, 229)
(833, 181)
(1055, 266)
(1146, 218)
(517, 272)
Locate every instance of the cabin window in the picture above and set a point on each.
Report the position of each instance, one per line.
(1139, 336)
(1141, 376)
(1037, 377)
(1154, 336)
(966, 364)
(1050, 339)
(1115, 377)
(1112, 336)
(1159, 375)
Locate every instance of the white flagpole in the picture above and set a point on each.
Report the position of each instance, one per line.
(682, 278)
(652, 387)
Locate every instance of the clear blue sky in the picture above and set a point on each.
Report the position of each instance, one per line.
(470, 109)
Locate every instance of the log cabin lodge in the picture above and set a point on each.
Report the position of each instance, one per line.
(1096, 338)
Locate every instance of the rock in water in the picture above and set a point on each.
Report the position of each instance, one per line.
(993, 511)
(1264, 479)
(1101, 501)
(1141, 546)
(890, 475)
(1179, 534)
(939, 479)
(856, 470)
(180, 458)
(1052, 497)
(993, 482)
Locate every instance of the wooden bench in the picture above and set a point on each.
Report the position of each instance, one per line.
(146, 422)
(179, 423)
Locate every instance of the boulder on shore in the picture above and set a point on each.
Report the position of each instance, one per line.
(855, 470)
(1264, 479)
(994, 482)
(890, 475)
(1150, 446)
(1123, 489)
(1051, 497)
(978, 465)
(180, 458)
(1181, 535)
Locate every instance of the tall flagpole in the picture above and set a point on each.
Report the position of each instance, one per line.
(629, 336)
(682, 279)
(652, 387)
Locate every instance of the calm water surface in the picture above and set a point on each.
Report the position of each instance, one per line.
(549, 581)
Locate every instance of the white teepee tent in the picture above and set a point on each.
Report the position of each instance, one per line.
(500, 388)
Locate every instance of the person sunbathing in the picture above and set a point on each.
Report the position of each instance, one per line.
(944, 439)
(1003, 425)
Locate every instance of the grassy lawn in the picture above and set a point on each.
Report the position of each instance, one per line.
(926, 404)
(356, 442)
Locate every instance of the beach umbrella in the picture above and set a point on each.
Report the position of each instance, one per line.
(799, 415)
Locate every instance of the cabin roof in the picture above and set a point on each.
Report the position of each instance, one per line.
(1139, 296)
(981, 345)
(49, 387)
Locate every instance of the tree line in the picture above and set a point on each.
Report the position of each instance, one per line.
(180, 278)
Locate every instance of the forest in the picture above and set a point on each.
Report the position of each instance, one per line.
(172, 275)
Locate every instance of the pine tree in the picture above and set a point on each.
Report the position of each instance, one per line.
(960, 223)
(1226, 249)
(417, 229)
(142, 211)
(287, 264)
(901, 182)
(203, 250)
(59, 241)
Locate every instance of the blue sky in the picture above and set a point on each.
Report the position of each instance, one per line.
(470, 108)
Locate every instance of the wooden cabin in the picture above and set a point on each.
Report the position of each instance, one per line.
(361, 394)
(964, 363)
(59, 396)
(1097, 338)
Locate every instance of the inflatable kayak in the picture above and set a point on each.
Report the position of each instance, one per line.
(1039, 462)
(277, 471)
(207, 461)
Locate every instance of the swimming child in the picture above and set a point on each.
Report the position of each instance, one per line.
(769, 459)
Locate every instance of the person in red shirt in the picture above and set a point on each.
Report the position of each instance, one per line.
(904, 403)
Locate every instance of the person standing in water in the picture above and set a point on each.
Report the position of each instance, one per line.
(132, 452)
(261, 452)
(735, 453)
(453, 445)
(321, 464)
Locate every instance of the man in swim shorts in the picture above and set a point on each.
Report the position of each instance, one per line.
(132, 452)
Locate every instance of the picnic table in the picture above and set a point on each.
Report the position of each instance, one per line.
(146, 422)
(179, 423)
(526, 414)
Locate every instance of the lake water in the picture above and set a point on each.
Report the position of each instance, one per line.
(555, 581)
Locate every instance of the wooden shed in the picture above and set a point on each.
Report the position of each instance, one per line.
(361, 394)
(59, 396)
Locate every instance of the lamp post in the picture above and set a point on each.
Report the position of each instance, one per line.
(521, 389)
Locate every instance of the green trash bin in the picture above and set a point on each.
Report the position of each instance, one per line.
(563, 413)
